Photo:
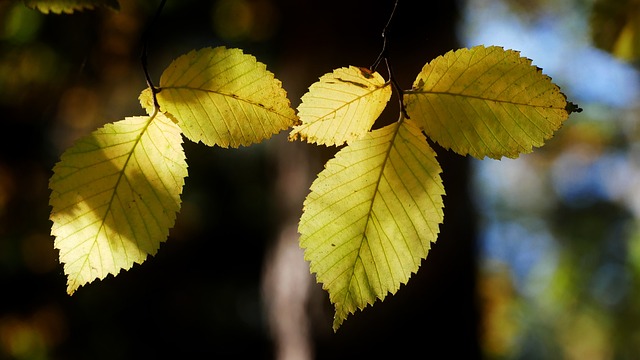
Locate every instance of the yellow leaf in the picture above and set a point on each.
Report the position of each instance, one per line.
(223, 97)
(486, 101)
(69, 6)
(371, 216)
(115, 195)
(342, 106)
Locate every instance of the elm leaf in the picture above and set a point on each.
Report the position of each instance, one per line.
(486, 101)
(115, 195)
(341, 106)
(224, 97)
(372, 215)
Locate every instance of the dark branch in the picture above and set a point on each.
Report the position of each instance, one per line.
(385, 32)
(144, 57)
(384, 56)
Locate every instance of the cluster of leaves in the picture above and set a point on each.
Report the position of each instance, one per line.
(371, 214)
(116, 192)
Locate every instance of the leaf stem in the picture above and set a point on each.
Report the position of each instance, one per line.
(398, 90)
(144, 56)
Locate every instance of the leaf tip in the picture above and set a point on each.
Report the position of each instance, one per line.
(336, 323)
(340, 316)
(71, 289)
(572, 107)
(294, 136)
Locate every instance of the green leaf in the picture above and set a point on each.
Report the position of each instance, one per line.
(69, 6)
(371, 216)
(486, 101)
(115, 194)
(342, 106)
(223, 97)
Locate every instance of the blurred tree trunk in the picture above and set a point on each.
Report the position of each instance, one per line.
(435, 313)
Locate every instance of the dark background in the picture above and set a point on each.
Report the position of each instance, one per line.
(201, 294)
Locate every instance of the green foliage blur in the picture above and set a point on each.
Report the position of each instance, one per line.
(559, 231)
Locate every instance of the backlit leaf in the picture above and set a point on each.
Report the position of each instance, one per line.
(341, 106)
(371, 216)
(69, 6)
(115, 194)
(223, 97)
(486, 101)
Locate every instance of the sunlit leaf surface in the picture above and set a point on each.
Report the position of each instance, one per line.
(486, 101)
(371, 216)
(115, 194)
(223, 97)
(341, 106)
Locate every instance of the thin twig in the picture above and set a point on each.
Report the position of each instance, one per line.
(383, 53)
(144, 57)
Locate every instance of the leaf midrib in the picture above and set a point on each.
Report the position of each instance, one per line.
(477, 97)
(115, 187)
(270, 109)
(326, 117)
(370, 211)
